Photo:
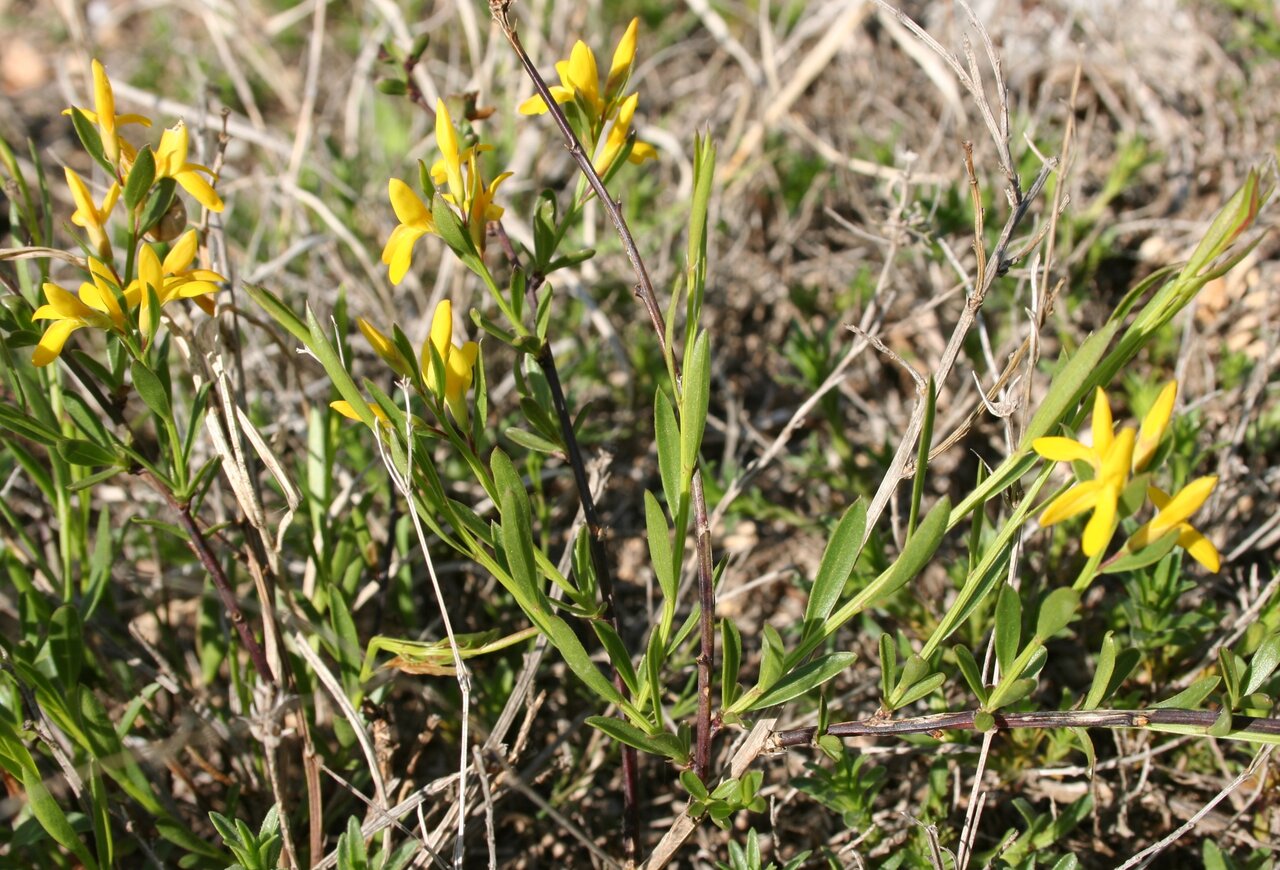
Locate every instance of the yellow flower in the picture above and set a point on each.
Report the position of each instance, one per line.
(580, 79)
(470, 194)
(1101, 495)
(173, 278)
(105, 117)
(171, 162)
(617, 138)
(91, 217)
(415, 222)
(343, 407)
(459, 362)
(95, 307)
(1173, 515)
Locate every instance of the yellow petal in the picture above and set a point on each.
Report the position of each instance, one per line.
(623, 57)
(642, 151)
(1154, 425)
(383, 346)
(1200, 548)
(1179, 509)
(181, 254)
(398, 252)
(408, 206)
(201, 191)
(1118, 458)
(104, 104)
(61, 305)
(171, 153)
(441, 338)
(85, 213)
(584, 75)
(343, 407)
(1058, 449)
(1097, 534)
(447, 142)
(52, 341)
(535, 105)
(1101, 422)
(1074, 501)
(458, 368)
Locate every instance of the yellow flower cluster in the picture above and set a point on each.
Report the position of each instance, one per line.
(108, 299)
(596, 103)
(1113, 458)
(457, 172)
(450, 385)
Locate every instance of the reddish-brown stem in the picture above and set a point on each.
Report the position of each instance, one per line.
(963, 721)
(200, 545)
(649, 299)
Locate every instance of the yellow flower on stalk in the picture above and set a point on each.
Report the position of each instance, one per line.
(1173, 514)
(1101, 495)
(171, 162)
(104, 115)
(95, 307)
(92, 217)
(173, 278)
(599, 102)
(415, 222)
(459, 362)
(466, 190)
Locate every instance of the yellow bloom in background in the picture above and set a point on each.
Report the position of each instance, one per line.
(104, 115)
(171, 162)
(600, 102)
(1154, 425)
(92, 218)
(1173, 515)
(415, 222)
(95, 307)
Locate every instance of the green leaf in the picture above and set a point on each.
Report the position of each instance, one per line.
(157, 204)
(918, 690)
(51, 817)
(625, 732)
(838, 561)
(94, 479)
(1008, 627)
(659, 539)
(1148, 555)
(141, 176)
(1102, 671)
(667, 433)
(90, 139)
(1192, 696)
(695, 394)
(918, 550)
(730, 661)
(984, 721)
(888, 664)
(1070, 385)
(533, 442)
(77, 451)
(1086, 746)
(1234, 217)
(924, 441)
(804, 679)
(618, 655)
(1056, 612)
(693, 785)
(66, 644)
(1221, 726)
(151, 389)
(1010, 692)
(516, 532)
(450, 228)
(971, 671)
(24, 424)
(1263, 664)
(772, 655)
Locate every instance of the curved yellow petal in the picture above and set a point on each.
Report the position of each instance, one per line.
(343, 407)
(52, 341)
(1055, 448)
(397, 254)
(1200, 548)
(447, 142)
(1118, 458)
(584, 76)
(408, 206)
(642, 151)
(201, 190)
(1154, 425)
(623, 57)
(1074, 501)
(1186, 502)
(61, 305)
(181, 253)
(441, 338)
(1101, 423)
(535, 105)
(85, 213)
(104, 104)
(1098, 531)
(382, 346)
(171, 152)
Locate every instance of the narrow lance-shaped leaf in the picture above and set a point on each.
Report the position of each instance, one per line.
(837, 563)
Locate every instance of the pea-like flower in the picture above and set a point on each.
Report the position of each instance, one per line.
(95, 307)
(91, 217)
(1101, 495)
(1173, 514)
(459, 362)
(104, 116)
(458, 174)
(173, 278)
(591, 103)
(171, 162)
